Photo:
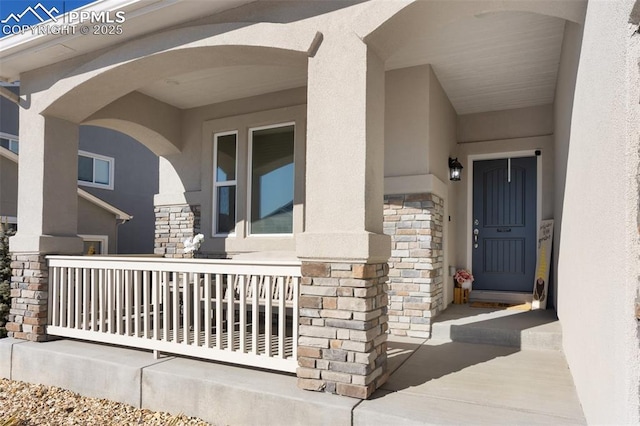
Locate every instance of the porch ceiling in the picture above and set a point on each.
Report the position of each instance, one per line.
(489, 62)
(214, 85)
(492, 61)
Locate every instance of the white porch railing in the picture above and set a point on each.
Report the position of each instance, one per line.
(237, 312)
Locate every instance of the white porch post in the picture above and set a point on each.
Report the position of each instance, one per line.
(47, 216)
(342, 344)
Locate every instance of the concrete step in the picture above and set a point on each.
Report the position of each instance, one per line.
(538, 329)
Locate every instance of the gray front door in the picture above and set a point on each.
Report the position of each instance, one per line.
(504, 224)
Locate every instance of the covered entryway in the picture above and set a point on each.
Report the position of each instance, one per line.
(504, 224)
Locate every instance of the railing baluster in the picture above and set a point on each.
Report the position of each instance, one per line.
(119, 288)
(145, 304)
(282, 322)
(242, 311)
(127, 302)
(136, 302)
(94, 299)
(156, 295)
(84, 314)
(77, 298)
(54, 302)
(175, 308)
(219, 296)
(186, 308)
(207, 310)
(101, 299)
(196, 309)
(111, 298)
(255, 313)
(296, 317)
(231, 311)
(267, 316)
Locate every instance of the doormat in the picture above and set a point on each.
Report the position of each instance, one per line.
(502, 305)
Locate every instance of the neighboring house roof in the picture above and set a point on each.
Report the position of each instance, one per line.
(119, 214)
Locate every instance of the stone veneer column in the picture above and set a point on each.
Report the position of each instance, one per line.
(414, 222)
(342, 346)
(174, 224)
(29, 292)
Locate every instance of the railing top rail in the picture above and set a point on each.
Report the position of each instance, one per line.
(284, 267)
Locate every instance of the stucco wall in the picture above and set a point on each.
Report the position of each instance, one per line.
(8, 187)
(92, 220)
(442, 145)
(406, 122)
(9, 114)
(562, 109)
(509, 124)
(186, 178)
(135, 184)
(598, 262)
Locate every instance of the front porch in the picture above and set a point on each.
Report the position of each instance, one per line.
(436, 381)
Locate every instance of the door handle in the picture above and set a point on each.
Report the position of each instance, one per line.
(475, 238)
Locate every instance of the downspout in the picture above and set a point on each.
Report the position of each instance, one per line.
(123, 221)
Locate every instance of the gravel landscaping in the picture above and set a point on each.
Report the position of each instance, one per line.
(24, 404)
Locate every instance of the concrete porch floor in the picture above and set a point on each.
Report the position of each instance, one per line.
(439, 381)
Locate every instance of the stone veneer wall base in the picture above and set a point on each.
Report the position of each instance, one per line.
(342, 347)
(415, 224)
(29, 297)
(174, 224)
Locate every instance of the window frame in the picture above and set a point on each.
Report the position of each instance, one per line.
(250, 131)
(226, 183)
(12, 139)
(102, 239)
(94, 157)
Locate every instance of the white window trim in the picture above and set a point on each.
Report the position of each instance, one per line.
(102, 239)
(216, 185)
(250, 176)
(111, 162)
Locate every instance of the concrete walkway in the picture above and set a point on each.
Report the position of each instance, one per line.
(433, 382)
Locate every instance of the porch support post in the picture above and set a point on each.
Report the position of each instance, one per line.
(343, 315)
(47, 217)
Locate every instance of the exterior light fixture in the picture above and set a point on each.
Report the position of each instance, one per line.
(455, 169)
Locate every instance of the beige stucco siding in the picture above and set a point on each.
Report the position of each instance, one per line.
(599, 252)
(93, 220)
(8, 187)
(406, 129)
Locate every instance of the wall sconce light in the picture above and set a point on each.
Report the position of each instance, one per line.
(455, 169)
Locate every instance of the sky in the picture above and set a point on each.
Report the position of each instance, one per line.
(17, 7)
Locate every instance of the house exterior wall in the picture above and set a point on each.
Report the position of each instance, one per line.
(537, 123)
(406, 129)
(186, 179)
(420, 135)
(8, 187)
(599, 252)
(9, 113)
(135, 184)
(562, 110)
(93, 220)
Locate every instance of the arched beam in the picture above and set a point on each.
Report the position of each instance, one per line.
(420, 17)
(153, 123)
(133, 65)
